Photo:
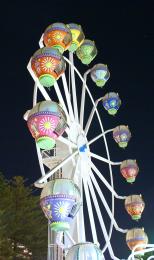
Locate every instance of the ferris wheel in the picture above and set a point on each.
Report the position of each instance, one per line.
(65, 130)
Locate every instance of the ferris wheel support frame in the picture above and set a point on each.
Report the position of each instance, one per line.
(93, 140)
(105, 141)
(46, 96)
(50, 173)
(51, 240)
(70, 116)
(64, 140)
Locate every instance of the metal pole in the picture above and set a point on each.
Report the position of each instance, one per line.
(55, 252)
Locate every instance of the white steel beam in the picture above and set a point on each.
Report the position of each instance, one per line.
(73, 87)
(89, 207)
(70, 237)
(61, 100)
(91, 116)
(105, 181)
(41, 44)
(104, 201)
(68, 99)
(50, 173)
(35, 94)
(80, 215)
(102, 224)
(105, 141)
(83, 98)
(100, 158)
(41, 88)
(67, 142)
(99, 136)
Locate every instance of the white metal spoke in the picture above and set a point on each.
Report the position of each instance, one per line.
(90, 119)
(40, 161)
(103, 159)
(87, 89)
(41, 44)
(67, 94)
(69, 79)
(80, 215)
(73, 160)
(103, 258)
(103, 201)
(99, 136)
(41, 88)
(67, 142)
(31, 71)
(105, 181)
(74, 87)
(59, 237)
(74, 173)
(70, 237)
(89, 207)
(70, 144)
(67, 130)
(50, 173)
(61, 100)
(49, 240)
(83, 98)
(74, 226)
(105, 141)
(35, 95)
(101, 221)
(81, 226)
(99, 119)
(91, 116)
(43, 91)
(111, 175)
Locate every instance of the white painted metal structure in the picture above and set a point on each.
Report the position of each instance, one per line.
(73, 155)
(147, 248)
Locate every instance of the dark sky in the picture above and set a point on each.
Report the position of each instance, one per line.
(124, 35)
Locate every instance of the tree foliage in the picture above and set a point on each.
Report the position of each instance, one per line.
(22, 222)
(145, 256)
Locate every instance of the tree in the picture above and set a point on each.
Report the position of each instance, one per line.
(145, 256)
(23, 226)
(5, 245)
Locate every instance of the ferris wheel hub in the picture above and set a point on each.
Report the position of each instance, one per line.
(83, 147)
(77, 136)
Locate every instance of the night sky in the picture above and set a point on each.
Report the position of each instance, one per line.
(124, 35)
